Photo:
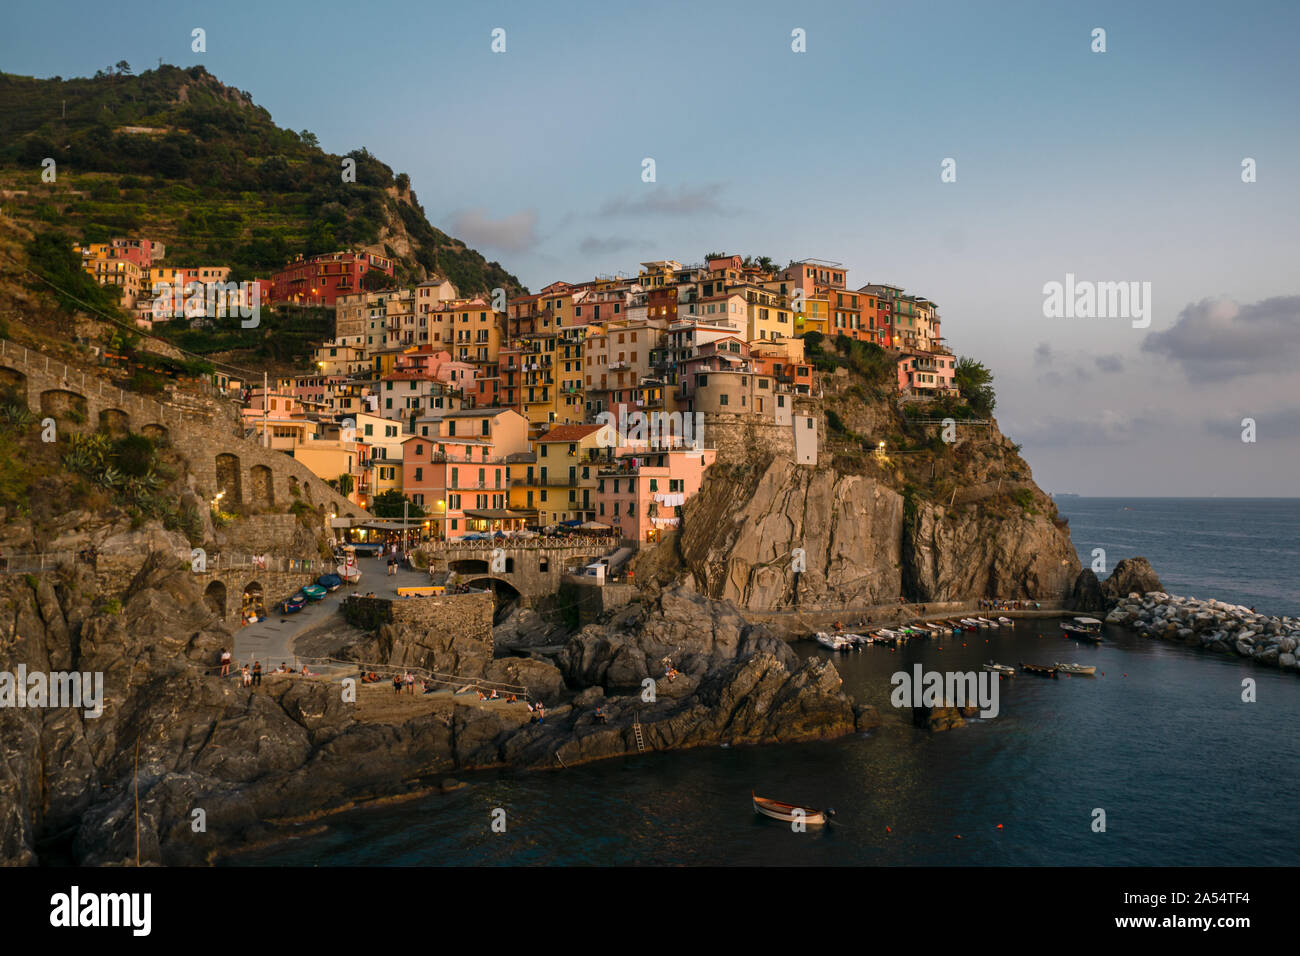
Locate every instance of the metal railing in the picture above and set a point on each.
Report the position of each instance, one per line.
(455, 681)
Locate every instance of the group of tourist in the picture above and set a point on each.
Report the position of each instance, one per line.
(991, 604)
(252, 676)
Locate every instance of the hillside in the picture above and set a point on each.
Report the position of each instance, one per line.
(175, 155)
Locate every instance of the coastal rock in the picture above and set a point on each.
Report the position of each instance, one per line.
(1131, 577)
(1286, 661)
(1086, 595)
(686, 628)
(739, 533)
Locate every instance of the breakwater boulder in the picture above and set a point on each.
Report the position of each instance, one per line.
(1131, 575)
(1212, 625)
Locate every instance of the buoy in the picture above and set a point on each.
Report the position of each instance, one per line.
(889, 830)
(963, 643)
(999, 826)
(958, 836)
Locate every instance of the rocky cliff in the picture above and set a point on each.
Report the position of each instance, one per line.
(216, 766)
(950, 523)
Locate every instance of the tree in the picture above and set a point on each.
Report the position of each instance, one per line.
(393, 504)
(975, 382)
(309, 138)
(344, 484)
(123, 68)
(766, 263)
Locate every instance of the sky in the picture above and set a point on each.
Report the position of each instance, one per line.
(1115, 166)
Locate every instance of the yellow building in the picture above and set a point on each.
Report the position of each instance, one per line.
(559, 480)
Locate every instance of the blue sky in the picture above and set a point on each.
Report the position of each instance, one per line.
(1123, 165)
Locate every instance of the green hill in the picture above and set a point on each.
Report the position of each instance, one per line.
(175, 155)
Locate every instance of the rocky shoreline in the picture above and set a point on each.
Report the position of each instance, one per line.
(1212, 625)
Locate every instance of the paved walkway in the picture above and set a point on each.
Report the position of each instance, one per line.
(271, 641)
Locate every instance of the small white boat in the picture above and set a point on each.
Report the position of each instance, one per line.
(833, 642)
(973, 622)
(1005, 621)
(985, 622)
(1003, 670)
(789, 812)
(350, 573)
(1080, 669)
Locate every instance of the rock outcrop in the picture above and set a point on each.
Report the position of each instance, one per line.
(749, 531)
(1087, 594)
(687, 629)
(1131, 575)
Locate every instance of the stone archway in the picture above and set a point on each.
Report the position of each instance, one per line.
(505, 596)
(13, 386)
(114, 421)
(155, 433)
(468, 566)
(60, 403)
(214, 596)
(228, 479)
(261, 485)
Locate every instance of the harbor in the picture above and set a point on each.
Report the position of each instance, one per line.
(1057, 750)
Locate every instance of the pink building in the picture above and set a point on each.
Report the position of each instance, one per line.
(641, 494)
(460, 483)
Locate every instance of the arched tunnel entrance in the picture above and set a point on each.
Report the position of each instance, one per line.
(505, 596)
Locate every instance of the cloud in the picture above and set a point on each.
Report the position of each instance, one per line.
(1220, 339)
(1281, 424)
(515, 233)
(661, 201)
(594, 245)
(1107, 427)
(1071, 369)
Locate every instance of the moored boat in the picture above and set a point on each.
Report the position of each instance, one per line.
(330, 582)
(350, 573)
(314, 592)
(833, 642)
(1084, 628)
(788, 811)
(1004, 621)
(1038, 670)
(294, 604)
(1082, 670)
(1002, 670)
(987, 623)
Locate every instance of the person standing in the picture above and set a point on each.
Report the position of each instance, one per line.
(225, 662)
(257, 673)
(410, 682)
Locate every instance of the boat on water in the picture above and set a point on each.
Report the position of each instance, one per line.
(1002, 670)
(786, 811)
(314, 592)
(1004, 621)
(330, 582)
(1082, 670)
(833, 642)
(294, 604)
(987, 623)
(1084, 628)
(973, 623)
(1038, 670)
(885, 637)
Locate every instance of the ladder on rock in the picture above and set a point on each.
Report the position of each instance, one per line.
(636, 730)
